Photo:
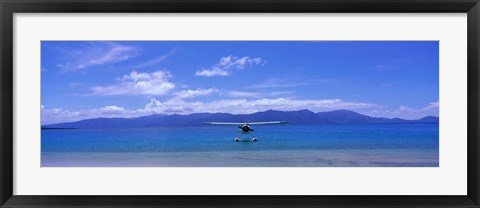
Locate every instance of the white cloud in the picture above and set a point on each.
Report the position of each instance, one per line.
(95, 54)
(135, 83)
(238, 63)
(112, 108)
(227, 64)
(156, 60)
(194, 93)
(59, 115)
(431, 109)
(212, 72)
(240, 106)
(432, 106)
(405, 108)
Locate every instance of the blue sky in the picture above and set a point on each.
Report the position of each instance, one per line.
(83, 79)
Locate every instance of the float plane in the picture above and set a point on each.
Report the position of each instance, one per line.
(245, 127)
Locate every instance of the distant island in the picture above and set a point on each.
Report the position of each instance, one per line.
(301, 117)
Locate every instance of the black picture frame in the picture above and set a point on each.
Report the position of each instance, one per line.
(9, 7)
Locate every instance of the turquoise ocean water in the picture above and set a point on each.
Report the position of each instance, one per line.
(414, 145)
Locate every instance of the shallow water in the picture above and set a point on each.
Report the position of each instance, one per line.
(384, 145)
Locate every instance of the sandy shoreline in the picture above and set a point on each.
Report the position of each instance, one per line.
(290, 158)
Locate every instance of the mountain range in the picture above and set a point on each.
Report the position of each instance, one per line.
(292, 117)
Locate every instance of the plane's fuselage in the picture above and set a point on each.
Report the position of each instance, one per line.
(245, 128)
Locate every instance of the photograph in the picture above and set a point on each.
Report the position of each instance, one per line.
(249, 103)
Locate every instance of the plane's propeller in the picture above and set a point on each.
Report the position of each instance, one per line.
(246, 128)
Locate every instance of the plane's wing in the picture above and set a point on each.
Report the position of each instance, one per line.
(250, 123)
(268, 122)
(223, 123)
